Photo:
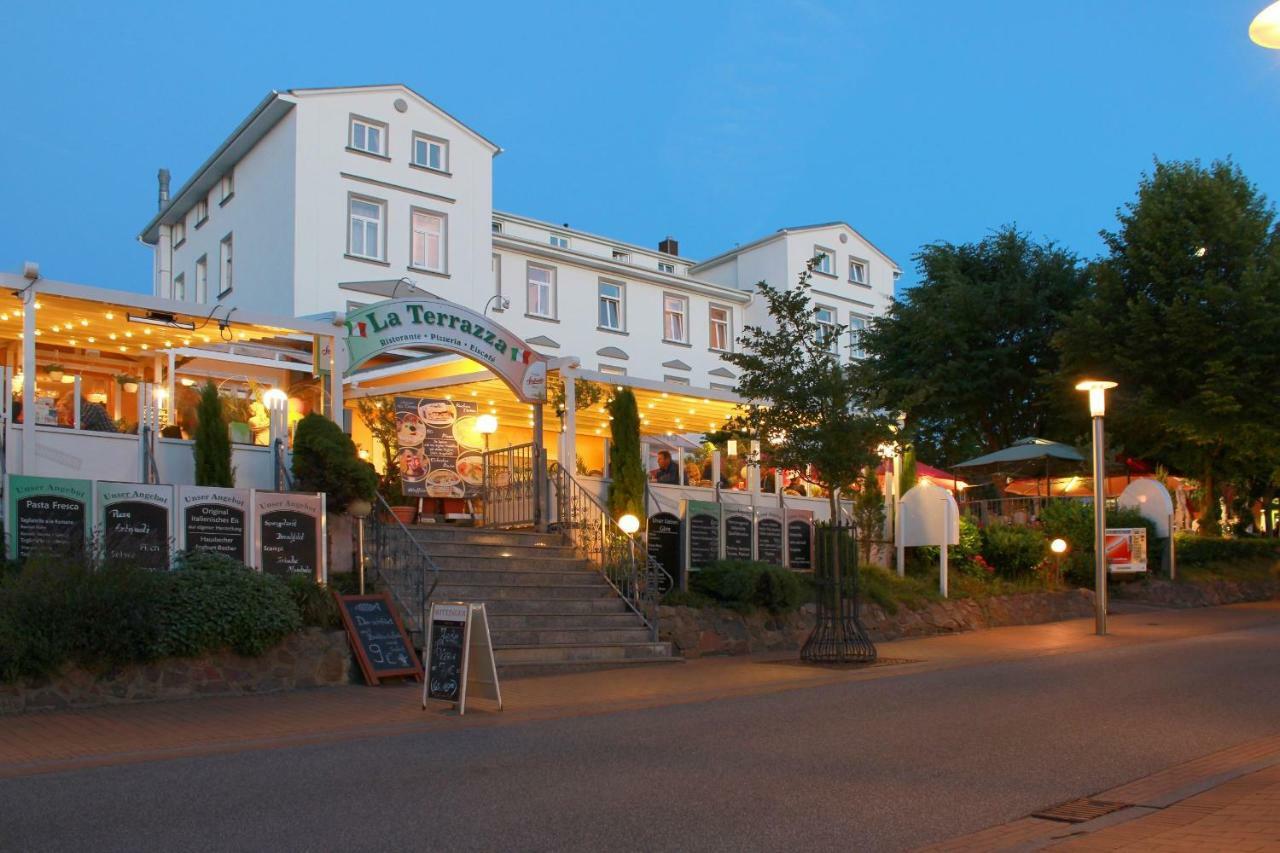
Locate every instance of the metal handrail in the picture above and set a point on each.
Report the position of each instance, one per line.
(150, 470)
(400, 564)
(284, 478)
(597, 536)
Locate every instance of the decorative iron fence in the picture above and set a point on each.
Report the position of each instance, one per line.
(838, 633)
(621, 557)
(511, 480)
(400, 565)
(280, 462)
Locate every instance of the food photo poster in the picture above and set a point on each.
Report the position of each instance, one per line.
(439, 447)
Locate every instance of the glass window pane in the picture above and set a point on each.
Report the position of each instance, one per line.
(375, 139)
(434, 151)
(357, 135)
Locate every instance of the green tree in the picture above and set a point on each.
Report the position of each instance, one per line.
(212, 447)
(626, 491)
(868, 512)
(967, 353)
(808, 404)
(907, 475)
(325, 460)
(1183, 313)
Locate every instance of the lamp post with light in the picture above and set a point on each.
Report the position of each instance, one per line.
(1097, 390)
(1265, 29)
(486, 425)
(629, 524)
(1058, 547)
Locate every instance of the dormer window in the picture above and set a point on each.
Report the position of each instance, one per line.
(621, 256)
(663, 266)
(857, 271)
(826, 261)
(368, 136)
(560, 241)
(496, 226)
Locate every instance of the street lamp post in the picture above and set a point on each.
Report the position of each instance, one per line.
(1097, 390)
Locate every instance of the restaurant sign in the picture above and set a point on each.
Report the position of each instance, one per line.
(436, 324)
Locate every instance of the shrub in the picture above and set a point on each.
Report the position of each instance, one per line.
(744, 586)
(1072, 521)
(234, 607)
(315, 603)
(325, 460)
(626, 493)
(212, 447)
(1013, 550)
(1193, 550)
(679, 598)
(886, 589)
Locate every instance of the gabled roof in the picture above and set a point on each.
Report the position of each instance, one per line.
(261, 119)
(783, 232)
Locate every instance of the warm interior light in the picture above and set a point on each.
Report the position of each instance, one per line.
(486, 424)
(1058, 546)
(187, 381)
(274, 398)
(68, 379)
(1265, 29)
(1097, 389)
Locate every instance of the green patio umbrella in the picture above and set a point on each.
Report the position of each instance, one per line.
(1026, 456)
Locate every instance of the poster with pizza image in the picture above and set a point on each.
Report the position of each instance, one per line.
(438, 447)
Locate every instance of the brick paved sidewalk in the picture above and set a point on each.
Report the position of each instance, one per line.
(1227, 801)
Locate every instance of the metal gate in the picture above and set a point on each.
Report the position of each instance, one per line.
(514, 478)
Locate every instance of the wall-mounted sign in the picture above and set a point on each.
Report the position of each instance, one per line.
(439, 325)
(46, 514)
(701, 533)
(769, 538)
(738, 533)
(438, 447)
(800, 539)
(213, 519)
(664, 545)
(1126, 550)
(135, 523)
(290, 531)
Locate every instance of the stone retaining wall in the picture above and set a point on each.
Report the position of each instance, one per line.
(696, 632)
(1204, 593)
(311, 658)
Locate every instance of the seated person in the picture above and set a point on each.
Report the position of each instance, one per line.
(93, 416)
(692, 473)
(795, 486)
(666, 472)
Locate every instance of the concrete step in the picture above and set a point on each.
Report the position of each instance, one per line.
(472, 591)
(516, 575)
(440, 549)
(550, 606)
(498, 563)
(485, 536)
(544, 637)
(551, 620)
(577, 652)
(533, 670)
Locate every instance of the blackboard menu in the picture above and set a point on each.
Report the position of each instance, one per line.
(664, 544)
(215, 520)
(47, 514)
(379, 640)
(800, 539)
(446, 651)
(737, 536)
(702, 530)
(290, 531)
(769, 538)
(134, 523)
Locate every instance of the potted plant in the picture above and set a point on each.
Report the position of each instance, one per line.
(380, 417)
(55, 372)
(128, 383)
(238, 410)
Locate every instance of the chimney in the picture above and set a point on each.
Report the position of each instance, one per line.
(163, 176)
(669, 246)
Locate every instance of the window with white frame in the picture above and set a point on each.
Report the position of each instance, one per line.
(179, 233)
(663, 266)
(202, 279)
(496, 227)
(180, 287)
(826, 260)
(721, 332)
(225, 280)
(611, 313)
(495, 265)
(857, 271)
(430, 152)
(202, 212)
(612, 369)
(541, 291)
(621, 256)
(368, 136)
(428, 241)
(560, 241)
(364, 236)
(675, 380)
(857, 326)
(227, 187)
(675, 318)
(827, 335)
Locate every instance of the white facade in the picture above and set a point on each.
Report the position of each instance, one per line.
(325, 198)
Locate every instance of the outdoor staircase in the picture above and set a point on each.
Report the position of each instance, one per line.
(549, 610)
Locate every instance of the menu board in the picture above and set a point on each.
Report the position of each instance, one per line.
(377, 636)
(438, 447)
(46, 514)
(702, 533)
(737, 534)
(134, 521)
(664, 544)
(769, 536)
(445, 652)
(289, 528)
(214, 519)
(800, 539)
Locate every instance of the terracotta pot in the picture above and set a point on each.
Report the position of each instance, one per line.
(405, 514)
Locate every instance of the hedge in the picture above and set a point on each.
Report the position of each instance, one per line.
(1194, 550)
(743, 586)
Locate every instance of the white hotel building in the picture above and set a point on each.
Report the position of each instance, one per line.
(322, 200)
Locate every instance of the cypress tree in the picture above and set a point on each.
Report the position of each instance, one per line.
(626, 495)
(212, 446)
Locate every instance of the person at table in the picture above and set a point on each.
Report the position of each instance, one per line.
(692, 473)
(93, 416)
(795, 486)
(666, 472)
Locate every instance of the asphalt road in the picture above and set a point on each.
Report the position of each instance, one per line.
(870, 765)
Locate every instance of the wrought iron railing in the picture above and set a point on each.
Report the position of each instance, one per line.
(622, 558)
(510, 496)
(400, 565)
(280, 461)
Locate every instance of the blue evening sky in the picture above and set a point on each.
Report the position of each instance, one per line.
(713, 122)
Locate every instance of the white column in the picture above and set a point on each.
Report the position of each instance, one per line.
(753, 469)
(172, 383)
(569, 440)
(337, 367)
(29, 380)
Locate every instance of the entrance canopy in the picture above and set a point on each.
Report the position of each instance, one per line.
(437, 325)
